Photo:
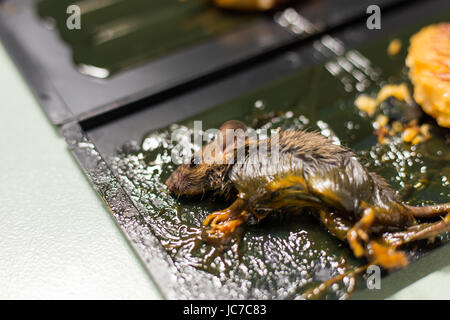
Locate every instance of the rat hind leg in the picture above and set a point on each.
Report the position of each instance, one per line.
(357, 236)
(384, 255)
(429, 211)
(318, 291)
(418, 232)
(337, 226)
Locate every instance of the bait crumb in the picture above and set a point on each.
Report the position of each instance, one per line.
(366, 104)
(381, 120)
(397, 126)
(410, 133)
(398, 91)
(370, 105)
(252, 5)
(429, 71)
(394, 47)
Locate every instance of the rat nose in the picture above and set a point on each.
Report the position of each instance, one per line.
(169, 182)
(173, 183)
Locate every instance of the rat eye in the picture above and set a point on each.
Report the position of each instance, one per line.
(193, 163)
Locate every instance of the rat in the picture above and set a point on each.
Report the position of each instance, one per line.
(354, 204)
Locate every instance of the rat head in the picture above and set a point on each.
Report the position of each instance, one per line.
(207, 169)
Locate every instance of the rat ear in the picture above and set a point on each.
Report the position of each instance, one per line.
(233, 124)
(231, 133)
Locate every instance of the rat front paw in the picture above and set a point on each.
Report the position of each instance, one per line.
(221, 224)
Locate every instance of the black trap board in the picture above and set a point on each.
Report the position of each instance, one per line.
(47, 62)
(301, 91)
